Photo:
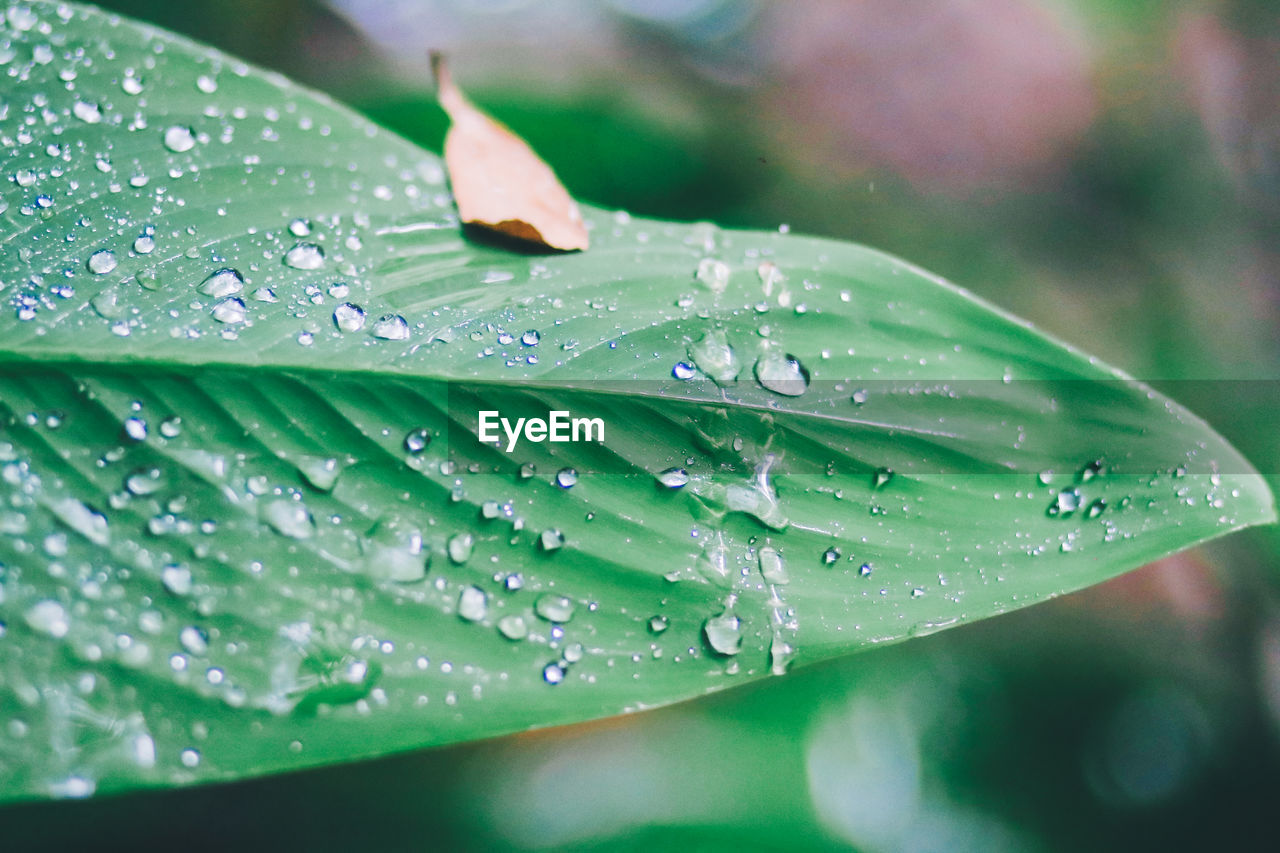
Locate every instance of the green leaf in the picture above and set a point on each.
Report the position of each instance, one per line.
(246, 529)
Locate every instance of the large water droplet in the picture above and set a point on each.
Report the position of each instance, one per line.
(554, 608)
(566, 478)
(320, 472)
(513, 627)
(348, 317)
(714, 357)
(102, 262)
(391, 327)
(724, 633)
(551, 540)
(394, 551)
(225, 282)
(1064, 503)
(460, 547)
(782, 374)
(176, 579)
(417, 440)
(230, 310)
(48, 617)
(304, 256)
(772, 566)
(179, 138)
(674, 478)
(290, 518)
(473, 604)
(713, 273)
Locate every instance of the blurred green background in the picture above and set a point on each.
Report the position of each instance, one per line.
(1109, 169)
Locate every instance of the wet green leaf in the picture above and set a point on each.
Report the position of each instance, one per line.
(247, 524)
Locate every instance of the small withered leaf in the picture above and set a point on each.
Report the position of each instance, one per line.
(498, 182)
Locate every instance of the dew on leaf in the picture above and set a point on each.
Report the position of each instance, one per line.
(179, 138)
(460, 546)
(230, 310)
(724, 633)
(48, 617)
(391, 327)
(304, 256)
(551, 540)
(513, 627)
(102, 262)
(553, 607)
(417, 440)
(781, 374)
(290, 518)
(713, 355)
(348, 317)
(473, 604)
(222, 283)
(674, 478)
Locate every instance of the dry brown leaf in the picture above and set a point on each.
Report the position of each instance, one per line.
(498, 182)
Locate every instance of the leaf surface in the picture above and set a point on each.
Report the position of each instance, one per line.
(247, 525)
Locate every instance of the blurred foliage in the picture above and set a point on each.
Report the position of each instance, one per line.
(1142, 714)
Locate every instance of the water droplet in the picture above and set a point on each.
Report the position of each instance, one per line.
(772, 567)
(830, 556)
(513, 627)
(176, 579)
(194, 640)
(206, 84)
(551, 540)
(417, 440)
(171, 427)
(859, 397)
(1064, 503)
(48, 617)
(304, 256)
(683, 371)
(300, 227)
(230, 310)
(658, 624)
(553, 673)
(782, 374)
(190, 758)
(714, 357)
(865, 570)
(473, 604)
(179, 138)
(225, 282)
(1096, 508)
(1089, 471)
(321, 473)
(724, 633)
(290, 518)
(144, 244)
(391, 327)
(460, 547)
(348, 317)
(135, 428)
(554, 608)
(102, 262)
(531, 338)
(144, 481)
(394, 551)
(87, 112)
(881, 478)
(566, 478)
(713, 273)
(674, 478)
